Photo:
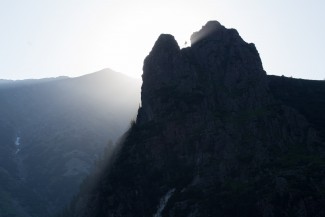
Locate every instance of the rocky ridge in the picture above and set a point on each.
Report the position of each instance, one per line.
(210, 139)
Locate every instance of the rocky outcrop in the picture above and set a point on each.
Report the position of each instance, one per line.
(211, 140)
(218, 64)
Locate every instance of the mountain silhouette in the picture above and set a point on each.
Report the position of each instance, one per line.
(214, 136)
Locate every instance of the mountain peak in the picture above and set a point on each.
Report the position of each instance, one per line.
(166, 42)
(218, 58)
(165, 47)
(209, 28)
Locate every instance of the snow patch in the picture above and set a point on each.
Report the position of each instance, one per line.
(163, 202)
(17, 143)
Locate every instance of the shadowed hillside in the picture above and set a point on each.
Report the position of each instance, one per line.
(52, 132)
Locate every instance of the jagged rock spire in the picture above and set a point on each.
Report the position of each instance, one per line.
(218, 59)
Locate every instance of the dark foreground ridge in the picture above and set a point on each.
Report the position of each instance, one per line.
(211, 139)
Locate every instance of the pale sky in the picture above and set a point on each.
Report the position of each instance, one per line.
(49, 38)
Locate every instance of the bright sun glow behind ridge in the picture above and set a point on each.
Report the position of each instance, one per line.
(46, 38)
(130, 36)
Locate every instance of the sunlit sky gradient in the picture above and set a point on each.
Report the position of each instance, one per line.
(47, 38)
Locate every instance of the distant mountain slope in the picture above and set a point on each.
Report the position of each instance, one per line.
(4, 84)
(214, 136)
(52, 131)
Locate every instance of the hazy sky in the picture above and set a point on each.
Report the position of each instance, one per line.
(46, 38)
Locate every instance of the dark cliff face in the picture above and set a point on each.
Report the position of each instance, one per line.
(211, 140)
(307, 96)
(219, 63)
